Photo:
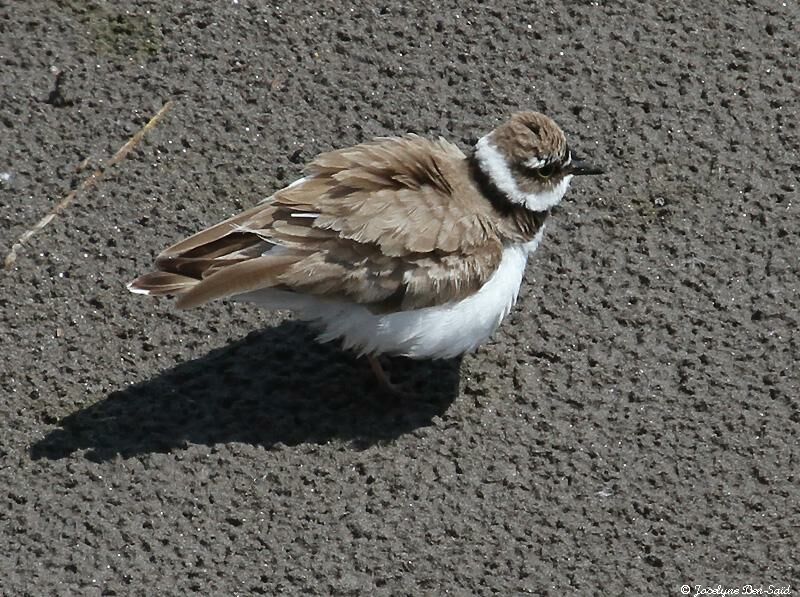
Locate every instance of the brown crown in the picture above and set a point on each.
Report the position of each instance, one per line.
(529, 134)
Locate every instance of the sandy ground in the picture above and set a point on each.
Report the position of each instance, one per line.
(632, 427)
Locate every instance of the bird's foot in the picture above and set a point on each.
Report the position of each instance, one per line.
(391, 389)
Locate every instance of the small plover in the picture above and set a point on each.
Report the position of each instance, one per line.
(402, 246)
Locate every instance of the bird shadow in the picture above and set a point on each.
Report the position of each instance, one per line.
(276, 386)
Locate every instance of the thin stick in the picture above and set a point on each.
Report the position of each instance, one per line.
(87, 184)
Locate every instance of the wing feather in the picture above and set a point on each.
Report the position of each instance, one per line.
(391, 224)
(239, 278)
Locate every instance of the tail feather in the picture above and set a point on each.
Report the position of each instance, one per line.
(239, 278)
(162, 283)
(228, 279)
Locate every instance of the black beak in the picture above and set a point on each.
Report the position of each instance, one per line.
(580, 166)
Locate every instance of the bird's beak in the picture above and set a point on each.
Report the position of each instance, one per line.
(580, 166)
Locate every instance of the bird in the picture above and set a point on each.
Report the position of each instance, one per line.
(401, 245)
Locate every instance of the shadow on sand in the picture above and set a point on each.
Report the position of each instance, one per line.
(276, 386)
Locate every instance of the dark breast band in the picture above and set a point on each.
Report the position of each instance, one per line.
(528, 222)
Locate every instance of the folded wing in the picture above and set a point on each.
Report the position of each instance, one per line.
(390, 224)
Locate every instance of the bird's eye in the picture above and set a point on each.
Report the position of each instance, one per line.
(546, 171)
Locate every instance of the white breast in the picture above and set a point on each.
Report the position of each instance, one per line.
(438, 332)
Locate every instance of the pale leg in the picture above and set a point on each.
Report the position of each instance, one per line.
(383, 379)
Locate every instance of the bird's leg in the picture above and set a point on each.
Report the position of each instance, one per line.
(383, 379)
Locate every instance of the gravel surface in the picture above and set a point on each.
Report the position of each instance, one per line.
(632, 427)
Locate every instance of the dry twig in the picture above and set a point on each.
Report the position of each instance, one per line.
(87, 184)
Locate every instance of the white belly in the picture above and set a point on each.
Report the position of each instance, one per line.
(443, 331)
